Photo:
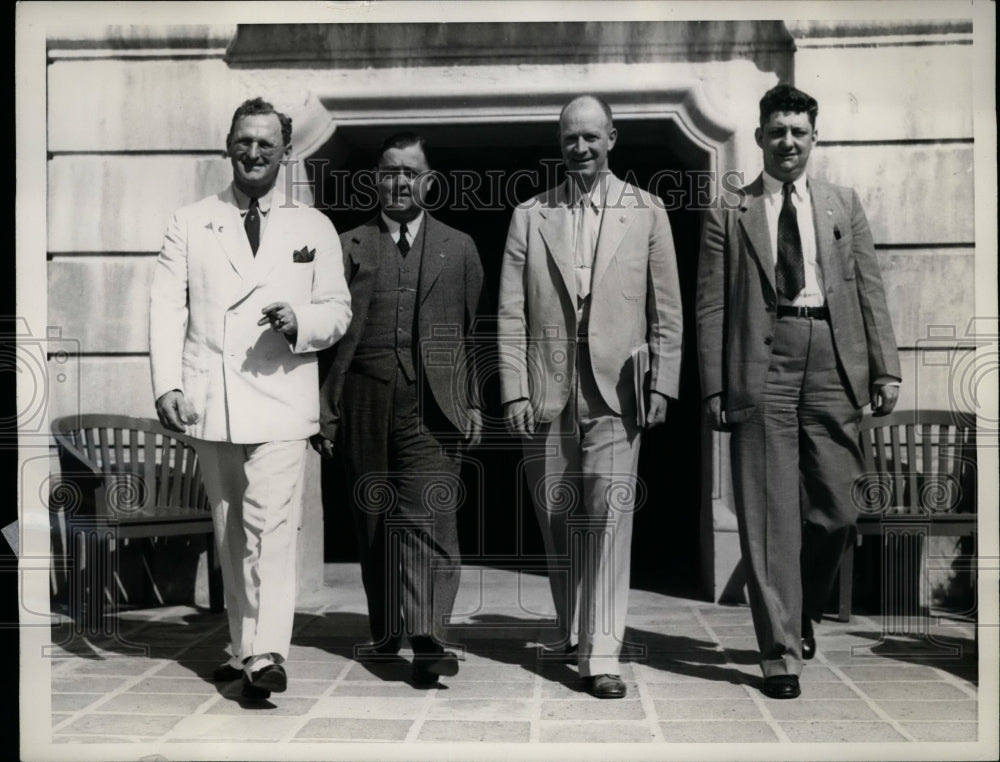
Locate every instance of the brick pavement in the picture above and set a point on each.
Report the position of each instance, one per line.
(691, 672)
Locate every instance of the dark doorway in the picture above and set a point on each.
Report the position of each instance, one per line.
(484, 171)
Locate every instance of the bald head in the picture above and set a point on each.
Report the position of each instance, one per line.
(586, 136)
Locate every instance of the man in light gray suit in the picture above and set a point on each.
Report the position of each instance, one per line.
(794, 337)
(589, 282)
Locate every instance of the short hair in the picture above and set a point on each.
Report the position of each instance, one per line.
(400, 140)
(255, 106)
(784, 97)
(598, 100)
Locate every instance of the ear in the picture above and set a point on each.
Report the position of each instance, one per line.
(612, 137)
(758, 135)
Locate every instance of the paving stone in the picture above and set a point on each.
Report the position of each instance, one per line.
(87, 684)
(593, 709)
(370, 707)
(124, 667)
(574, 689)
(173, 685)
(595, 732)
(494, 673)
(188, 668)
(707, 709)
(479, 709)
(696, 690)
(400, 690)
(248, 726)
(492, 732)
(966, 710)
(279, 705)
(822, 731)
(698, 731)
(71, 739)
(314, 670)
(831, 690)
(379, 671)
(808, 709)
(906, 690)
(482, 689)
(72, 702)
(307, 688)
(901, 672)
(942, 731)
(816, 673)
(153, 703)
(123, 724)
(58, 717)
(354, 729)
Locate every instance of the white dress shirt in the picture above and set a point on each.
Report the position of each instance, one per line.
(811, 294)
(592, 205)
(411, 227)
(263, 204)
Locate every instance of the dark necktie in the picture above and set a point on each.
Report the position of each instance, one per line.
(790, 275)
(252, 224)
(402, 243)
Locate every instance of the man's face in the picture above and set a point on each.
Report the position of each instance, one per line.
(256, 149)
(786, 140)
(585, 138)
(404, 180)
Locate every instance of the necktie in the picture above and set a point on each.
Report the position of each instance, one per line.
(586, 235)
(252, 225)
(403, 244)
(790, 274)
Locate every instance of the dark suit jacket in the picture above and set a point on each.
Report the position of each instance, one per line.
(449, 297)
(736, 302)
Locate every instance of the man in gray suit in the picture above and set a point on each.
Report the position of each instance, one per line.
(588, 284)
(400, 399)
(794, 338)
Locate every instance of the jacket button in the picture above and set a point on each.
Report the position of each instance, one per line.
(768, 340)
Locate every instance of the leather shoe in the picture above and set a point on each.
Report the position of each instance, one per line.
(606, 686)
(808, 640)
(226, 674)
(252, 692)
(270, 678)
(428, 667)
(781, 686)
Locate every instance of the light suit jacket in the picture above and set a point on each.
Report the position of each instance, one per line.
(736, 302)
(449, 299)
(635, 300)
(247, 383)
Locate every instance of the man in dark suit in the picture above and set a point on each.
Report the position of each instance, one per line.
(399, 399)
(589, 282)
(794, 338)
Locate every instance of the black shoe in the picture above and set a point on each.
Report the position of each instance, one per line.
(781, 686)
(606, 686)
(252, 692)
(270, 678)
(808, 640)
(226, 674)
(443, 663)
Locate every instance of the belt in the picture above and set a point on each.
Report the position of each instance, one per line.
(816, 313)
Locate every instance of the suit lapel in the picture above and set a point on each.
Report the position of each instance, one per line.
(227, 225)
(556, 230)
(277, 243)
(616, 219)
(824, 221)
(754, 223)
(433, 255)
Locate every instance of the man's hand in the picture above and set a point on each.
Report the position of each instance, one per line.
(884, 399)
(474, 428)
(322, 445)
(281, 317)
(657, 412)
(518, 418)
(174, 411)
(712, 410)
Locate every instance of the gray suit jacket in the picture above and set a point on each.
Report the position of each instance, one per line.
(449, 298)
(736, 300)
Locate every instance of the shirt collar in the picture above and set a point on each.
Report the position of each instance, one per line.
(411, 227)
(243, 200)
(772, 185)
(597, 196)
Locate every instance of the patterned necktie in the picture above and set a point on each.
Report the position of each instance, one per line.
(790, 274)
(252, 225)
(402, 243)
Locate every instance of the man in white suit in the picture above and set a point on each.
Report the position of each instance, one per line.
(589, 278)
(247, 288)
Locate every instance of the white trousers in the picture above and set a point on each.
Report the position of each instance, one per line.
(256, 496)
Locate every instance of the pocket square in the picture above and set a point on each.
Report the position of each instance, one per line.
(305, 254)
